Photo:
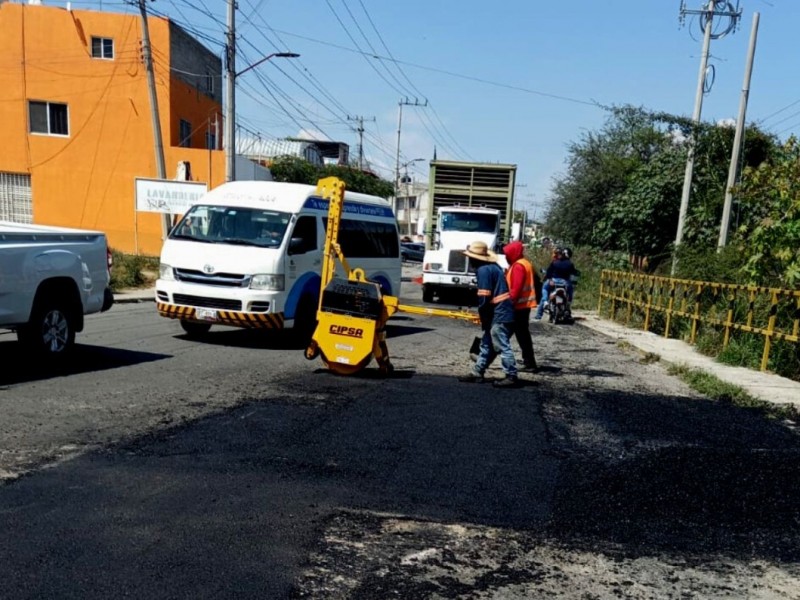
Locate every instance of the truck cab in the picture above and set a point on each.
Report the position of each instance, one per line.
(445, 268)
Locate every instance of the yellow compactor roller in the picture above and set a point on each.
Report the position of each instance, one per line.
(352, 312)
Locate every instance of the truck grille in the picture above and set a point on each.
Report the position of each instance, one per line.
(205, 302)
(218, 279)
(458, 263)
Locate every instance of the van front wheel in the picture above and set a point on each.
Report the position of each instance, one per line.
(305, 319)
(195, 330)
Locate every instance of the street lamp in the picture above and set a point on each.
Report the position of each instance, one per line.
(405, 179)
(230, 105)
(266, 58)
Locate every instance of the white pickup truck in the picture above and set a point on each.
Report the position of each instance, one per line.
(50, 277)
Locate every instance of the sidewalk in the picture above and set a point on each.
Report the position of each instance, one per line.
(135, 295)
(764, 386)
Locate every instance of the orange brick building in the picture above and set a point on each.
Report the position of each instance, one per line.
(76, 119)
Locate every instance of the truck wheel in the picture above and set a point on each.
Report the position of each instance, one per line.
(195, 330)
(427, 294)
(50, 330)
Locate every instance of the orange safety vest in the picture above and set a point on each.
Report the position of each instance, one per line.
(527, 298)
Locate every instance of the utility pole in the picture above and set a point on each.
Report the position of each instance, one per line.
(230, 98)
(737, 138)
(403, 102)
(360, 130)
(158, 145)
(708, 13)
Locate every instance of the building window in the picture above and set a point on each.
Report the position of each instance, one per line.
(16, 203)
(102, 48)
(211, 141)
(209, 82)
(49, 118)
(185, 134)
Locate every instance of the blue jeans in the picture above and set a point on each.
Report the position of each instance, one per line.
(546, 289)
(497, 341)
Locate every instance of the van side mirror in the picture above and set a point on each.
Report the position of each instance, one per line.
(297, 246)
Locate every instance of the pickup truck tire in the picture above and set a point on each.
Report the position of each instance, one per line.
(51, 329)
(195, 330)
(427, 293)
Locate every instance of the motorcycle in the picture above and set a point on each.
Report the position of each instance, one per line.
(558, 304)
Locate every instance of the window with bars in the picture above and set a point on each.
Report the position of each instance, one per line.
(16, 201)
(49, 118)
(102, 48)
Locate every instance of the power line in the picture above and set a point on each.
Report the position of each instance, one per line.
(779, 111)
(411, 83)
(518, 88)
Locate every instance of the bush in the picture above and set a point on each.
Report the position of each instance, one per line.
(132, 271)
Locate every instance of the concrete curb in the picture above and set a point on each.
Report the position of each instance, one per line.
(764, 386)
(135, 296)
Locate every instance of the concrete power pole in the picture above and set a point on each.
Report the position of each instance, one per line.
(230, 99)
(360, 130)
(158, 145)
(403, 102)
(709, 12)
(737, 138)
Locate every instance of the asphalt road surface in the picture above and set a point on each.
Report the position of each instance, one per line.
(159, 467)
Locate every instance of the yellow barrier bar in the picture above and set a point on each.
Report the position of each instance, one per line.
(696, 317)
(728, 322)
(773, 313)
(646, 293)
(670, 307)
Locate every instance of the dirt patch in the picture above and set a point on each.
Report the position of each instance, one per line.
(364, 556)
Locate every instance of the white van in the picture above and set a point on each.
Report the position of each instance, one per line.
(249, 254)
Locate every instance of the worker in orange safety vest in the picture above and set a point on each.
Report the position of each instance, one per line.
(521, 279)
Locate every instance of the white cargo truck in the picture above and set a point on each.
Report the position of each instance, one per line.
(469, 202)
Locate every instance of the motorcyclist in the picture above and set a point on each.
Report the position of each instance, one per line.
(560, 268)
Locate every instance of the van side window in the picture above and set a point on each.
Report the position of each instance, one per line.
(367, 239)
(305, 230)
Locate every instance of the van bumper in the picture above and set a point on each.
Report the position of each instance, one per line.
(221, 317)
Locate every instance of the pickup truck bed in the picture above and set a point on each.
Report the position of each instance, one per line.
(50, 277)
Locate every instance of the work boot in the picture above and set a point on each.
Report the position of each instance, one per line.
(472, 378)
(508, 382)
(528, 367)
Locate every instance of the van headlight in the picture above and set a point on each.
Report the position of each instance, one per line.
(266, 281)
(165, 272)
(433, 267)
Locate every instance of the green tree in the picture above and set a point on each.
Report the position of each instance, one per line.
(643, 218)
(359, 181)
(293, 169)
(599, 167)
(623, 185)
(770, 238)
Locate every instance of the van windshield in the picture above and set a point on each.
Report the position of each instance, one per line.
(472, 222)
(232, 225)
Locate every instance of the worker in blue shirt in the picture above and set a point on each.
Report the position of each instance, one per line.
(497, 317)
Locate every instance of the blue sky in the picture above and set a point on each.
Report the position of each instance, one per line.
(511, 81)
